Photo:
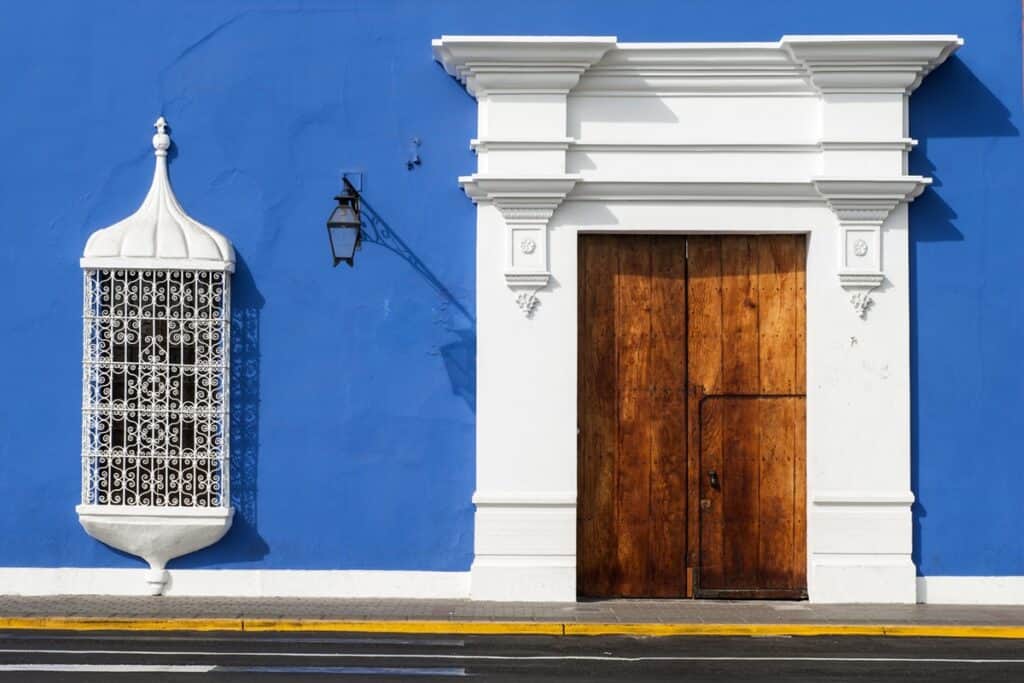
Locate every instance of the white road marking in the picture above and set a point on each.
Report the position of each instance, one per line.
(112, 668)
(554, 658)
(346, 670)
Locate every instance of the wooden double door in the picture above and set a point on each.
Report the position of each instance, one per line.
(691, 470)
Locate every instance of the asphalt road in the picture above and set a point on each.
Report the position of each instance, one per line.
(147, 657)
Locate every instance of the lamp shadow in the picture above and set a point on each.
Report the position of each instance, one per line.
(952, 102)
(243, 542)
(459, 355)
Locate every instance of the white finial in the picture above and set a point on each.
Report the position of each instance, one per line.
(161, 141)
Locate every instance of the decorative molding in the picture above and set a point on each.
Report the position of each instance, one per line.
(860, 498)
(695, 69)
(869, 64)
(496, 65)
(159, 234)
(862, 301)
(527, 302)
(638, 190)
(899, 145)
(526, 204)
(484, 145)
(862, 205)
(531, 498)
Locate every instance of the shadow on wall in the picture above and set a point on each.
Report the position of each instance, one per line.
(951, 103)
(243, 542)
(459, 355)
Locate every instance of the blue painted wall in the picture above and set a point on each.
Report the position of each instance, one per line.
(354, 388)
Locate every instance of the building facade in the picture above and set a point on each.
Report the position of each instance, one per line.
(690, 300)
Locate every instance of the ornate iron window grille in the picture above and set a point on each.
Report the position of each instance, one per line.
(155, 390)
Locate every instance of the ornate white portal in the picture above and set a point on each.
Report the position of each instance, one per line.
(584, 134)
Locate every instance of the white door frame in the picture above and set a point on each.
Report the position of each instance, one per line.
(585, 134)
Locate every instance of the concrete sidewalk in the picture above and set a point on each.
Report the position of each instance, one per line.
(638, 617)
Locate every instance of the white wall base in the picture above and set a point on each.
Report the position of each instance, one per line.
(539, 579)
(255, 583)
(971, 590)
(863, 578)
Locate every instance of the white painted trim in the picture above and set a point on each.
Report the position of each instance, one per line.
(862, 498)
(971, 590)
(248, 583)
(524, 498)
(155, 263)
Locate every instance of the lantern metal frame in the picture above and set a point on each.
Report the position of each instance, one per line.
(348, 199)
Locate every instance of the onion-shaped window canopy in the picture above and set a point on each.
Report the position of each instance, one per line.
(155, 443)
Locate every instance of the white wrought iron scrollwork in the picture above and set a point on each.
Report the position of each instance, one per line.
(155, 388)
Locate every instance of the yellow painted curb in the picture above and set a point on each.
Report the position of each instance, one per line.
(955, 631)
(644, 629)
(118, 624)
(439, 627)
(537, 628)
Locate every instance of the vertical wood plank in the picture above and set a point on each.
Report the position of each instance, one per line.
(740, 489)
(740, 462)
(775, 504)
(704, 371)
(799, 561)
(739, 315)
(633, 467)
(667, 543)
(595, 538)
(799, 303)
(711, 572)
(776, 264)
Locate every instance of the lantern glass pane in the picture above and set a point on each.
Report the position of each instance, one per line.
(343, 241)
(343, 214)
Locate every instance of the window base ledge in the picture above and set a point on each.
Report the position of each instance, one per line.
(156, 534)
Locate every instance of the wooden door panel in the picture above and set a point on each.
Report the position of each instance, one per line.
(631, 529)
(690, 363)
(746, 371)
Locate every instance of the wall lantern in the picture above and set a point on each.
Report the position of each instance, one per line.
(344, 224)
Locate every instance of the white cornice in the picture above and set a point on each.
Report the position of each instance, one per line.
(795, 65)
(519, 190)
(859, 64)
(713, 68)
(519, 64)
(868, 199)
(483, 145)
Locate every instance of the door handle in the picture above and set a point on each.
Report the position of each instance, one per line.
(713, 479)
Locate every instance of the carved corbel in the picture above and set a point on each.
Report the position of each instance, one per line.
(526, 206)
(861, 206)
